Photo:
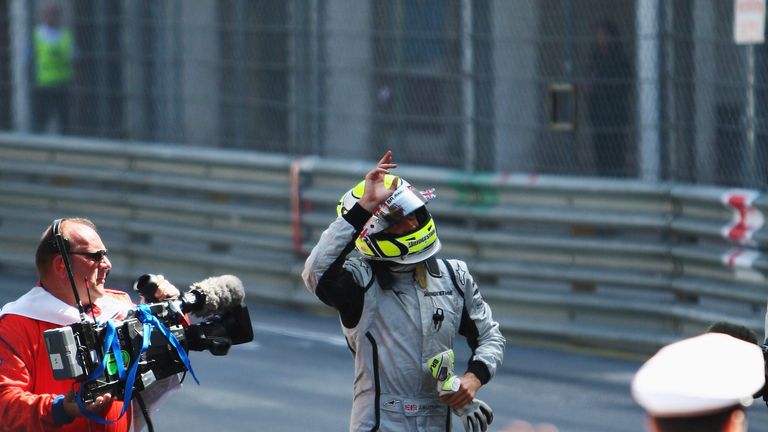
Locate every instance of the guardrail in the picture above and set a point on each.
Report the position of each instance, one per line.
(618, 263)
(615, 264)
(187, 213)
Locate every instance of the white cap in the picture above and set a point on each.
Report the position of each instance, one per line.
(699, 375)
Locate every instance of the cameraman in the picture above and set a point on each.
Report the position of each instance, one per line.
(30, 398)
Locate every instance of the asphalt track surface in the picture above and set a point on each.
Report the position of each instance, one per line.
(297, 376)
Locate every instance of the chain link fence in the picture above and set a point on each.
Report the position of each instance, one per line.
(649, 89)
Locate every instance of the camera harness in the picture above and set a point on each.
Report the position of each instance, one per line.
(111, 342)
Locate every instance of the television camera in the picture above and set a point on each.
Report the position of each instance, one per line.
(151, 342)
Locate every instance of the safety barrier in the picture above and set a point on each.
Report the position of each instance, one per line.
(616, 264)
(186, 213)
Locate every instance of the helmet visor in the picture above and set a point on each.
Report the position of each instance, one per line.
(404, 201)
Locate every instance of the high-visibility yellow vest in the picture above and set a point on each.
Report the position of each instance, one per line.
(53, 59)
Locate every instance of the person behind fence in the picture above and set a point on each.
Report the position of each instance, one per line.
(400, 309)
(608, 100)
(30, 398)
(53, 51)
(700, 384)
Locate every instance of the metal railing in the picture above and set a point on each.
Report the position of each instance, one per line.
(616, 264)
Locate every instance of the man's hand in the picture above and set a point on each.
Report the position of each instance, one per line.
(465, 393)
(453, 391)
(375, 191)
(100, 404)
(459, 393)
(165, 290)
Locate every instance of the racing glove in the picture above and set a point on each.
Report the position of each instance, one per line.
(475, 416)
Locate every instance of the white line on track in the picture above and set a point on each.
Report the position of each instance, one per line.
(331, 339)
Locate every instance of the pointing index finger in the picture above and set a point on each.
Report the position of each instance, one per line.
(386, 161)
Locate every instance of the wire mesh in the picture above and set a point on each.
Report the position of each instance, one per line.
(612, 88)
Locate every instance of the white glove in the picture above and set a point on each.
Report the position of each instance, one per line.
(476, 416)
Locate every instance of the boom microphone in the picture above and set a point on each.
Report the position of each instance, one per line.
(204, 298)
(218, 293)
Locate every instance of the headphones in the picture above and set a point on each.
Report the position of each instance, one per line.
(60, 244)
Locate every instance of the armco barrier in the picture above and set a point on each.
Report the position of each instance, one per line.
(616, 264)
(612, 263)
(186, 213)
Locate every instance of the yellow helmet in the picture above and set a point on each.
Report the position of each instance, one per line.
(376, 243)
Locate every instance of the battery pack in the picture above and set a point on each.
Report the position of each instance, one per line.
(62, 353)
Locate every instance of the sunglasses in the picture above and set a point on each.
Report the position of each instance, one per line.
(94, 256)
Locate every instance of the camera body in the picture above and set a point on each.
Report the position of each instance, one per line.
(77, 351)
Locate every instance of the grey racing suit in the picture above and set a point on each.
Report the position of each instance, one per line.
(393, 325)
